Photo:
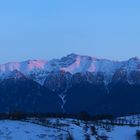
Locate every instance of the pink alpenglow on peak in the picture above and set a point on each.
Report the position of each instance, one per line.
(72, 63)
(24, 67)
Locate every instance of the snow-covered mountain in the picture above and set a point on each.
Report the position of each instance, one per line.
(57, 85)
(73, 63)
(59, 75)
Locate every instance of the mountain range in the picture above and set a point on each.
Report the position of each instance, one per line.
(72, 84)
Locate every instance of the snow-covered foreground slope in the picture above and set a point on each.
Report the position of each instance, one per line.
(123, 133)
(20, 130)
(60, 129)
(83, 131)
(17, 130)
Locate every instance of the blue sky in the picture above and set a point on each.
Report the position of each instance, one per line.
(45, 29)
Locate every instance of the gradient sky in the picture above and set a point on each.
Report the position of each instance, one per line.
(46, 29)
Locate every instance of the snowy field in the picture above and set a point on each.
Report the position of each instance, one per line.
(62, 129)
(17, 130)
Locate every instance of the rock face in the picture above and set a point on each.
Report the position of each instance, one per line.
(25, 95)
(71, 84)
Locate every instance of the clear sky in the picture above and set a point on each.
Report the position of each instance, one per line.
(45, 29)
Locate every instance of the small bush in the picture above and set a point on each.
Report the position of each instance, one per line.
(77, 123)
(138, 134)
(93, 130)
(69, 137)
(87, 137)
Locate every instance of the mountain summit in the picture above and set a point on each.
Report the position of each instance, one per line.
(72, 63)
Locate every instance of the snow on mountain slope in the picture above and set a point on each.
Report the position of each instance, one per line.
(73, 63)
(24, 67)
(90, 64)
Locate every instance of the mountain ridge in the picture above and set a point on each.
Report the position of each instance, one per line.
(72, 63)
(71, 84)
